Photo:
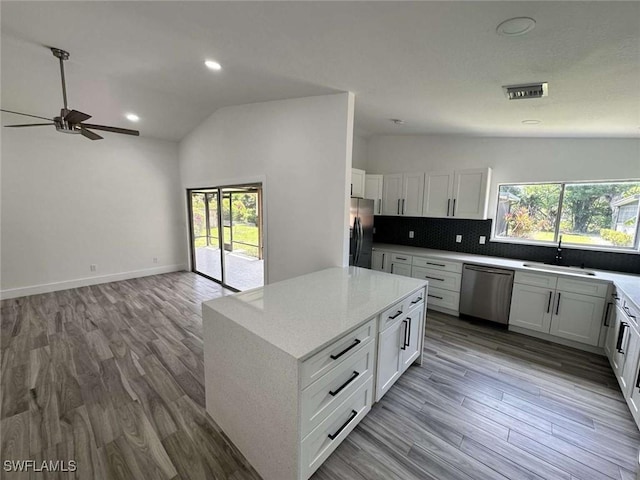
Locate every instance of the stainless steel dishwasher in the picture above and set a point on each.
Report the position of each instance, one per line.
(486, 292)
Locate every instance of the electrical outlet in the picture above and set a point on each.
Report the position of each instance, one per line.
(482, 240)
(458, 238)
(155, 259)
(410, 233)
(93, 267)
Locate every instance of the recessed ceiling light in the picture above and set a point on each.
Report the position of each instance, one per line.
(516, 26)
(531, 122)
(211, 65)
(132, 117)
(397, 121)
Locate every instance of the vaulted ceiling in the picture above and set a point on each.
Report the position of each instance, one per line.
(439, 66)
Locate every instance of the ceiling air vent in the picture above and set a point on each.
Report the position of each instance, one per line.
(530, 90)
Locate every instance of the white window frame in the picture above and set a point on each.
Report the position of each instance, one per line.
(601, 248)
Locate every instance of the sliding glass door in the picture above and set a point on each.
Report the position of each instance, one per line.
(226, 235)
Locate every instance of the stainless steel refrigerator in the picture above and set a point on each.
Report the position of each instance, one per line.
(361, 232)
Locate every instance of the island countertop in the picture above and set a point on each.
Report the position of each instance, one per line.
(302, 315)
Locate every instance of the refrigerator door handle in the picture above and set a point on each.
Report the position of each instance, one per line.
(361, 237)
(356, 233)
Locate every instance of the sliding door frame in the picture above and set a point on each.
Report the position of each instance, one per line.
(259, 185)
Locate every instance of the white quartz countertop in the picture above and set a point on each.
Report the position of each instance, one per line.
(628, 283)
(304, 314)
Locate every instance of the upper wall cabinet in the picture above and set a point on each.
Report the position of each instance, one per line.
(357, 182)
(373, 191)
(458, 194)
(402, 194)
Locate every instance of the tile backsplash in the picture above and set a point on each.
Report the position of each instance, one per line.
(440, 233)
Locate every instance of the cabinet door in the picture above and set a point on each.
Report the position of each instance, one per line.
(391, 194)
(618, 340)
(470, 193)
(373, 191)
(380, 261)
(531, 307)
(413, 194)
(629, 368)
(389, 358)
(438, 194)
(412, 332)
(633, 400)
(577, 317)
(401, 269)
(357, 182)
(613, 324)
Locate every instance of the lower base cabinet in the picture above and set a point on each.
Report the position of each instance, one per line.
(399, 345)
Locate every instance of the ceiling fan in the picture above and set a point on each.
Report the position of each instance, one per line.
(70, 121)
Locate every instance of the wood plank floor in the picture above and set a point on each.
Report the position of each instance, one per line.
(112, 376)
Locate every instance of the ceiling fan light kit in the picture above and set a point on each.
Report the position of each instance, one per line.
(70, 121)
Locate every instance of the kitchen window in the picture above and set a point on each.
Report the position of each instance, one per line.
(598, 215)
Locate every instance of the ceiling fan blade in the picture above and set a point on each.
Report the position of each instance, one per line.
(75, 117)
(25, 114)
(29, 125)
(89, 134)
(110, 129)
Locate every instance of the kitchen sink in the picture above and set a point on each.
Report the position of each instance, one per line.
(559, 269)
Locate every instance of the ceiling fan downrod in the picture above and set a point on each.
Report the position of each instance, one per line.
(62, 55)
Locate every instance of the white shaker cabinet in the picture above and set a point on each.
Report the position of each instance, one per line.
(457, 194)
(357, 182)
(471, 193)
(402, 194)
(531, 307)
(412, 330)
(381, 261)
(564, 308)
(373, 191)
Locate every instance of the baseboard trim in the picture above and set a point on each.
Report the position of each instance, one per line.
(85, 282)
(562, 341)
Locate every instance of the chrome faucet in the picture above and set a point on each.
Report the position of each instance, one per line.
(559, 252)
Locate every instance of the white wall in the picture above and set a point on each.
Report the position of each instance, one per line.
(68, 202)
(359, 152)
(301, 149)
(512, 159)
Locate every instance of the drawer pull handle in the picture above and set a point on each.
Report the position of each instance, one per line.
(404, 340)
(606, 315)
(344, 425)
(354, 344)
(408, 340)
(351, 379)
(549, 302)
(558, 304)
(434, 296)
(398, 313)
(623, 327)
(416, 301)
(434, 278)
(436, 264)
(400, 258)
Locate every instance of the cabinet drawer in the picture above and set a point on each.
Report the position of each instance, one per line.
(584, 287)
(438, 278)
(437, 264)
(438, 298)
(401, 258)
(632, 313)
(536, 279)
(321, 442)
(323, 396)
(394, 313)
(316, 366)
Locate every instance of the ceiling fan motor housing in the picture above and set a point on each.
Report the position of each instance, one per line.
(62, 125)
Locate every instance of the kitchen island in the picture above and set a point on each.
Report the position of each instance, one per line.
(291, 368)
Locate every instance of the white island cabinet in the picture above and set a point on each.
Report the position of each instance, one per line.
(291, 368)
